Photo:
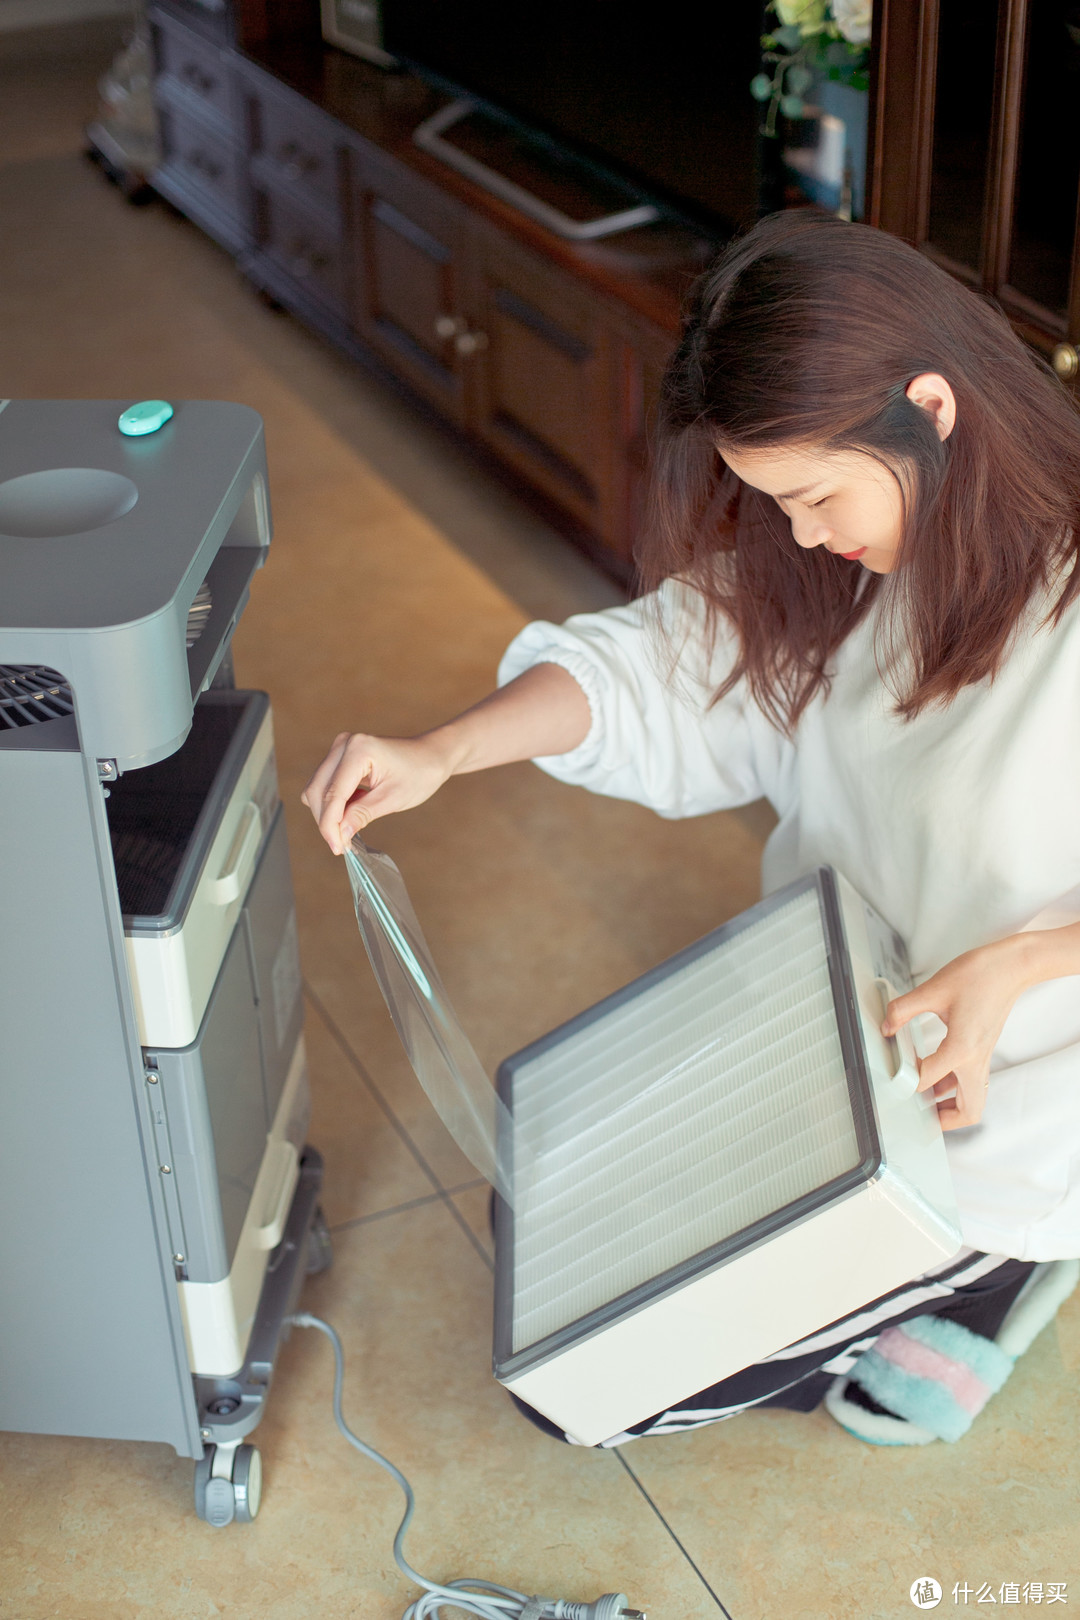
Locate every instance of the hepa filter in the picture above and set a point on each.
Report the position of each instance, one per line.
(711, 1164)
(724, 1157)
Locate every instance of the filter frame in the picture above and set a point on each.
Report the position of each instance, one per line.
(509, 1364)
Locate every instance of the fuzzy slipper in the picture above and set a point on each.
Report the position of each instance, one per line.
(928, 1378)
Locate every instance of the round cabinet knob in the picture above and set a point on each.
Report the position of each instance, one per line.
(471, 342)
(449, 326)
(1065, 361)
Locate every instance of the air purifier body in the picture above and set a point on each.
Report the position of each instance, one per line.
(723, 1158)
(155, 1190)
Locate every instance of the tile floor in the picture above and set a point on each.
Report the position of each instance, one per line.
(398, 573)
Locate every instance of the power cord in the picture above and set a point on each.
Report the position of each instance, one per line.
(483, 1599)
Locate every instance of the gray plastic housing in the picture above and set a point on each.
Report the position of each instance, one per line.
(97, 584)
(220, 1094)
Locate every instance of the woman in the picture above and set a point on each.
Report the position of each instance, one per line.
(862, 602)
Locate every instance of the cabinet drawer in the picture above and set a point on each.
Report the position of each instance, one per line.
(304, 243)
(193, 64)
(202, 157)
(290, 145)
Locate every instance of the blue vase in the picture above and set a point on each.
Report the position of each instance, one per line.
(832, 170)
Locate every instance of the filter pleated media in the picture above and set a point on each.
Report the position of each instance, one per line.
(713, 1099)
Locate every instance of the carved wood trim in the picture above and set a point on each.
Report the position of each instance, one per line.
(1005, 143)
(902, 115)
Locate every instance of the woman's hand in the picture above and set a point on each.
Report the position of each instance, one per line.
(363, 777)
(973, 995)
(543, 711)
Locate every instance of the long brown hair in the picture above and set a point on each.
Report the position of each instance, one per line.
(806, 332)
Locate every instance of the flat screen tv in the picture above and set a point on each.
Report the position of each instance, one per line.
(658, 95)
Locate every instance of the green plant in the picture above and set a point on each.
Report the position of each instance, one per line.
(813, 39)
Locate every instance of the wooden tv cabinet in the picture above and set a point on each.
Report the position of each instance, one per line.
(299, 159)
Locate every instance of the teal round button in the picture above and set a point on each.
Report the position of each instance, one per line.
(145, 417)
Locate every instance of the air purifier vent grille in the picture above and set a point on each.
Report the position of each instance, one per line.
(198, 614)
(30, 694)
(678, 1117)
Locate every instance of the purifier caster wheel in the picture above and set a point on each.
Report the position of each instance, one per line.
(320, 1249)
(228, 1488)
(247, 1483)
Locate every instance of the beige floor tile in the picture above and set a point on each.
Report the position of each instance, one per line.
(370, 1165)
(94, 1529)
(786, 1514)
(47, 86)
(474, 1205)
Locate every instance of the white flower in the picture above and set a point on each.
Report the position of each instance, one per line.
(853, 19)
(807, 15)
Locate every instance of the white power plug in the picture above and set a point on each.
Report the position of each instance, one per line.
(612, 1606)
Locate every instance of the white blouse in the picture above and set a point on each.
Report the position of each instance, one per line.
(961, 826)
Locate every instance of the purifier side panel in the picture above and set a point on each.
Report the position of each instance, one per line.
(218, 1316)
(91, 1341)
(213, 1095)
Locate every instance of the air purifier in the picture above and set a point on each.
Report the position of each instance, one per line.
(723, 1157)
(158, 1205)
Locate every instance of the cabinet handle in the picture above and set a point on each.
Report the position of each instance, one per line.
(303, 260)
(1065, 361)
(449, 326)
(194, 75)
(467, 343)
(295, 161)
(206, 165)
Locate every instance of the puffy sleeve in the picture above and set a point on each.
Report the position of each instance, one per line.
(649, 670)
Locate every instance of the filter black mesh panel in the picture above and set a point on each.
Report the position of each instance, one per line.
(153, 812)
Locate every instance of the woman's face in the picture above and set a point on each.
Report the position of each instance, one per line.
(842, 500)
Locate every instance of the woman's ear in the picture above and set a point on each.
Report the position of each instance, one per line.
(932, 393)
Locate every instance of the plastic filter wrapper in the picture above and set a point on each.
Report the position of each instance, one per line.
(436, 1045)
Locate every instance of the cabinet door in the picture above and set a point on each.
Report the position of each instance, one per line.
(543, 353)
(409, 241)
(977, 158)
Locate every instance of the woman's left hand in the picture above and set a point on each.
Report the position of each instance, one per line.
(973, 995)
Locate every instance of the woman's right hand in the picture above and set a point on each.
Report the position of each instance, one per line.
(364, 777)
(543, 711)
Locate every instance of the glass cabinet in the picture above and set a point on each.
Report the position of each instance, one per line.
(976, 151)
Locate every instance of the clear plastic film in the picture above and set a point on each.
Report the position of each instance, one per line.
(440, 1052)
